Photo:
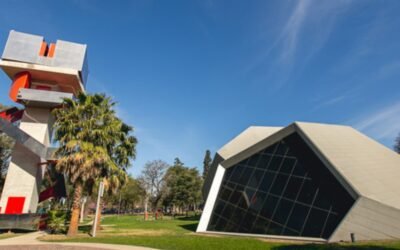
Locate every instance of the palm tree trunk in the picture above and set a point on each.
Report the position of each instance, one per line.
(74, 222)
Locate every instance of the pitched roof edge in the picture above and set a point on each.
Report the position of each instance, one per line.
(321, 155)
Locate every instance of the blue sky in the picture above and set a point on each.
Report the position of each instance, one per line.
(191, 75)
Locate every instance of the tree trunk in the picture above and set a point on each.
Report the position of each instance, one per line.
(145, 209)
(74, 222)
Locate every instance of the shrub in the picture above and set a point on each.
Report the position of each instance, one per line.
(56, 221)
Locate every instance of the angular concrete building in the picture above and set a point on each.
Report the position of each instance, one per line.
(306, 181)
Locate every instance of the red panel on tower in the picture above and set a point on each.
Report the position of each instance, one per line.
(15, 205)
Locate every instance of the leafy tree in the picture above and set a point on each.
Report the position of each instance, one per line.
(121, 150)
(206, 163)
(6, 145)
(93, 145)
(183, 187)
(397, 144)
(129, 195)
(152, 180)
(178, 162)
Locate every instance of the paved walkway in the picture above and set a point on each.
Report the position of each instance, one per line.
(29, 241)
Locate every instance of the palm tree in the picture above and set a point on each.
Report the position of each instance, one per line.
(121, 150)
(112, 183)
(93, 143)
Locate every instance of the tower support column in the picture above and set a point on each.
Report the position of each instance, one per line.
(24, 177)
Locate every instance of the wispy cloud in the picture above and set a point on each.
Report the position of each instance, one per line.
(323, 102)
(381, 124)
(304, 33)
(290, 33)
(389, 69)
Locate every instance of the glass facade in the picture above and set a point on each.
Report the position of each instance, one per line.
(282, 190)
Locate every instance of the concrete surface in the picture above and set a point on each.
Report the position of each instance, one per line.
(29, 241)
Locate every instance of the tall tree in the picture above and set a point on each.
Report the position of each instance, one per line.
(178, 162)
(183, 187)
(397, 144)
(122, 149)
(206, 163)
(93, 144)
(131, 194)
(6, 145)
(152, 179)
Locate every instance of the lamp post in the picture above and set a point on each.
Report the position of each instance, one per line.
(100, 194)
(83, 201)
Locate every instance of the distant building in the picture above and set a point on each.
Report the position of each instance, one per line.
(306, 181)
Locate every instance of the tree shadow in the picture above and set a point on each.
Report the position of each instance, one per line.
(190, 227)
(193, 217)
(335, 246)
(16, 231)
(85, 228)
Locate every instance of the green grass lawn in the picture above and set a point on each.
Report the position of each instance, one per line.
(7, 235)
(178, 234)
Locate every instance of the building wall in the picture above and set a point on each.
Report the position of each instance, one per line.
(369, 220)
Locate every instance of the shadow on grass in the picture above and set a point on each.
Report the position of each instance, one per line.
(193, 217)
(190, 227)
(16, 231)
(85, 228)
(332, 247)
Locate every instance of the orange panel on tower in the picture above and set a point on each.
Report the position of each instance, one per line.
(21, 80)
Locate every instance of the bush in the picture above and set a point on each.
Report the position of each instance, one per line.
(56, 221)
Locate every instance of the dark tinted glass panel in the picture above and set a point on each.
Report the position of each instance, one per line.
(253, 161)
(282, 190)
(245, 177)
(248, 221)
(271, 149)
(330, 225)
(221, 224)
(269, 206)
(226, 193)
(257, 201)
(282, 149)
(238, 216)
(236, 173)
(322, 202)
(274, 229)
(287, 165)
(279, 184)
(282, 211)
(315, 222)
(307, 193)
(243, 202)
(264, 161)
(299, 170)
(293, 187)
(256, 178)
(260, 226)
(228, 211)
(298, 217)
(235, 197)
(219, 207)
(275, 163)
(267, 181)
(290, 232)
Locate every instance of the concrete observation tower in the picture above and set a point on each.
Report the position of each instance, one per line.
(42, 75)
